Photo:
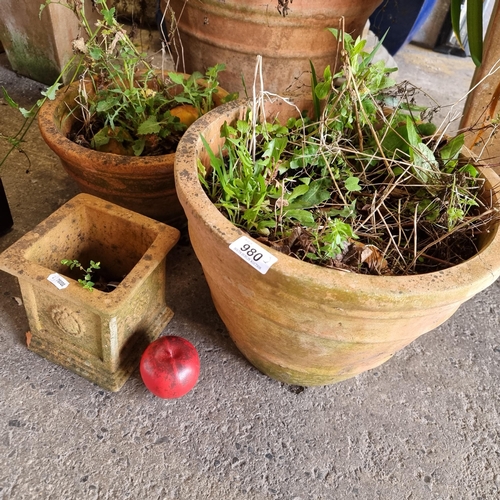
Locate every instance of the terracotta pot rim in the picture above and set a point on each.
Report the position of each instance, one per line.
(314, 11)
(483, 267)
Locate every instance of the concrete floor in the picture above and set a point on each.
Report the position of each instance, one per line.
(425, 425)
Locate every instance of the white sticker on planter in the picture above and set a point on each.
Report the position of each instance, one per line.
(253, 254)
(58, 281)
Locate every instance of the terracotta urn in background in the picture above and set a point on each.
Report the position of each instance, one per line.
(305, 324)
(286, 34)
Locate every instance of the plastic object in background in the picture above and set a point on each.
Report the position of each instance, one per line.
(401, 20)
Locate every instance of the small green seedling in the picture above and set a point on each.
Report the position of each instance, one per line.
(86, 281)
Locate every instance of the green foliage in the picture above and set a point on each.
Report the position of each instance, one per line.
(128, 103)
(124, 104)
(474, 26)
(332, 241)
(365, 183)
(86, 281)
(15, 140)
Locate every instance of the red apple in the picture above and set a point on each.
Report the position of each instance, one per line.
(170, 367)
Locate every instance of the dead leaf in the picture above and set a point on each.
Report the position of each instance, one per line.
(358, 253)
(374, 259)
(28, 338)
(79, 46)
(280, 203)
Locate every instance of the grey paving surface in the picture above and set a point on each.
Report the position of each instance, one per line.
(423, 426)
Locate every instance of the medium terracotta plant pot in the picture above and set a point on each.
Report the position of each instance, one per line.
(234, 32)
(144, 184)
(305, 324)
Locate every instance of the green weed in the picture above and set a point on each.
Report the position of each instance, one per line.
(362, 182)
(86, 281)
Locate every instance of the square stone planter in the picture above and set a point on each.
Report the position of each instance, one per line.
(97, 335)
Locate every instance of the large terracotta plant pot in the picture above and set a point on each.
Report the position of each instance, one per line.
(144, 184)
(304, 324)
(234, 32)
(97, 335)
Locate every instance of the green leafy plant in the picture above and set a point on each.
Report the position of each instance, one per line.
(16, 140)
(361, 180)
(86, 281)
(124, 105)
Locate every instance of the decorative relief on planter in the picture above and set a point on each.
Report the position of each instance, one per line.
(74, 327)
(67, 321)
